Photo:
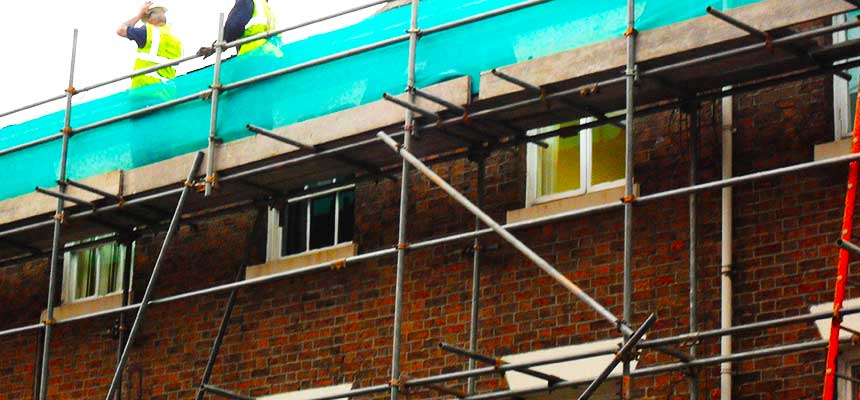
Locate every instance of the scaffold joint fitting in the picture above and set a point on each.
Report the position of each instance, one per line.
(338, 264)
(402, 246)
(628, 199)
(71, 90)
(590, 90)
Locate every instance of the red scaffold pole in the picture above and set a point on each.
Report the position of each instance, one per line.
(842, 267)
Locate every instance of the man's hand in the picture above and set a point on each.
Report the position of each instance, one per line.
(206, 52)
(144, 10)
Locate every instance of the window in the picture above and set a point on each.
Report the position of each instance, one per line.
(575, 163)
(844, 92)
(312, 221)
(848, 365)
(91, 272)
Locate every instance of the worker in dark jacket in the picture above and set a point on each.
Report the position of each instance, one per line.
(249, 18)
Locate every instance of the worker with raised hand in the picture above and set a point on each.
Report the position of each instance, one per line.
(155, 44)
(249, 18)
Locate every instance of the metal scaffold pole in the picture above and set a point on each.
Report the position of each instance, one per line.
(121, 328)
(150, 286)
(58, 221)
(213, 118)
(627, 297)
(695, 131)
(409, 131)
(476, 275)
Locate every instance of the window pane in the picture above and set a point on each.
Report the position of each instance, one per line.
(559, 165)
(110, 266)
(295, 228)
(322, 222)
(347, 216)
(85, 274)
(607, 154)
(852, 34)
(855, 373)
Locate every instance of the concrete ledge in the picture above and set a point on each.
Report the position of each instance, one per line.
(833, 149)
(84, 307)
(34, 203)
(313, 257)
(553, 207)
(339, 125)
(660, 42)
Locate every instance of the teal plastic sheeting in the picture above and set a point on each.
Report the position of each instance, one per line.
(467, 50)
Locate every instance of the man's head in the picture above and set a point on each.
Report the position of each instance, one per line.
(157, 14)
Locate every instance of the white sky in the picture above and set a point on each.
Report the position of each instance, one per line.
(36, 52)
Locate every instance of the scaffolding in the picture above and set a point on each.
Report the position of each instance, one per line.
(419, 121)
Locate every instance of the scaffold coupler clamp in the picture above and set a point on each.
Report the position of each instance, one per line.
(402, 246)
(628, 199)
(543, 99)
(768, 42)
(631, 31)
(416, 31)
(60, 216)
(589, 90)
(400, 383)
(211, 179)
(71, 90)
(338, 264)
(632, 71)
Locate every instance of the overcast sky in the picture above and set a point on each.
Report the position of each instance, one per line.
(36, 51)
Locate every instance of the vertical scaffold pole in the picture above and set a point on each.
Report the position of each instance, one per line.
(213, 118)
(693, 200)
(630, 74)
(476, 276)
(58, 221)
(127, 265)
(150, 286)
(409, 128)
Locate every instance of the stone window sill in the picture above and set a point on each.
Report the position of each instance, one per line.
(833, 149)
(296, 261)
(84, 307)
(566, 204)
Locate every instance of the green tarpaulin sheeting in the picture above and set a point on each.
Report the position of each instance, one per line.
(468, 50)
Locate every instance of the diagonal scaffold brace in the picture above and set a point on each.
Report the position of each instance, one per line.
(622, 354)
(844, 260)
(147, 295)
(622, 326)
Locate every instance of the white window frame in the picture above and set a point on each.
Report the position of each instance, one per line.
(842, 124)
(585, 160)
(70, 276)
(275, 233)
(846, 360)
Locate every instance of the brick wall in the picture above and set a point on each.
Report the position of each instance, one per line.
(335, 326)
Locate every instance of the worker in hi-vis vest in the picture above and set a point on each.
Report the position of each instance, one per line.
(155, 44)
(249, 18)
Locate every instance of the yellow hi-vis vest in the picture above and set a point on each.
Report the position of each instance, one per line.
(261, 21)
(161, 47)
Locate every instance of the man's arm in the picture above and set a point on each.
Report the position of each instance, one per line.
(239, 16)
(123, 29)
